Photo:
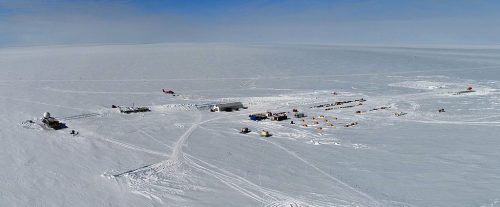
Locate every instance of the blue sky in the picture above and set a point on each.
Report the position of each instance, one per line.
(442, 22)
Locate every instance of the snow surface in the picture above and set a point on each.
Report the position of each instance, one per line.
(180, 154)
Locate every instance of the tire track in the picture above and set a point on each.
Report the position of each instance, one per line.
(250, 189)
(371, 199)
(42, 103)
(130, 146)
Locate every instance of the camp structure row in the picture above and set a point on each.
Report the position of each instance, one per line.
(279, 116)
(339, 103)
(469, 90)
(228, 107)
(269, 115)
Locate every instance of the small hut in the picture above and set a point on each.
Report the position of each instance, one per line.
(264, 133)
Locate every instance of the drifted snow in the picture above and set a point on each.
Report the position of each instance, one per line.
(179, 154)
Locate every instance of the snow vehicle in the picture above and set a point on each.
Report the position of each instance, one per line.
(74, 133)
(441, 110)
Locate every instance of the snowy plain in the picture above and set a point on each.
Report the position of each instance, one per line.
(180, 154)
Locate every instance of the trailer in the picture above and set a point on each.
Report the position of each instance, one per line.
(129, 110)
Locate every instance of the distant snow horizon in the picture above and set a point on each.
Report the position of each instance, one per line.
(415, 46)
(379, 22)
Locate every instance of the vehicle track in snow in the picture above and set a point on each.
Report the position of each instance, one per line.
(43, 103)
(371, 200)
(338, 181)
(269, 197)
(253, 190)
(127, 145)
(169, 176)
(177, 148)
(178, 159)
